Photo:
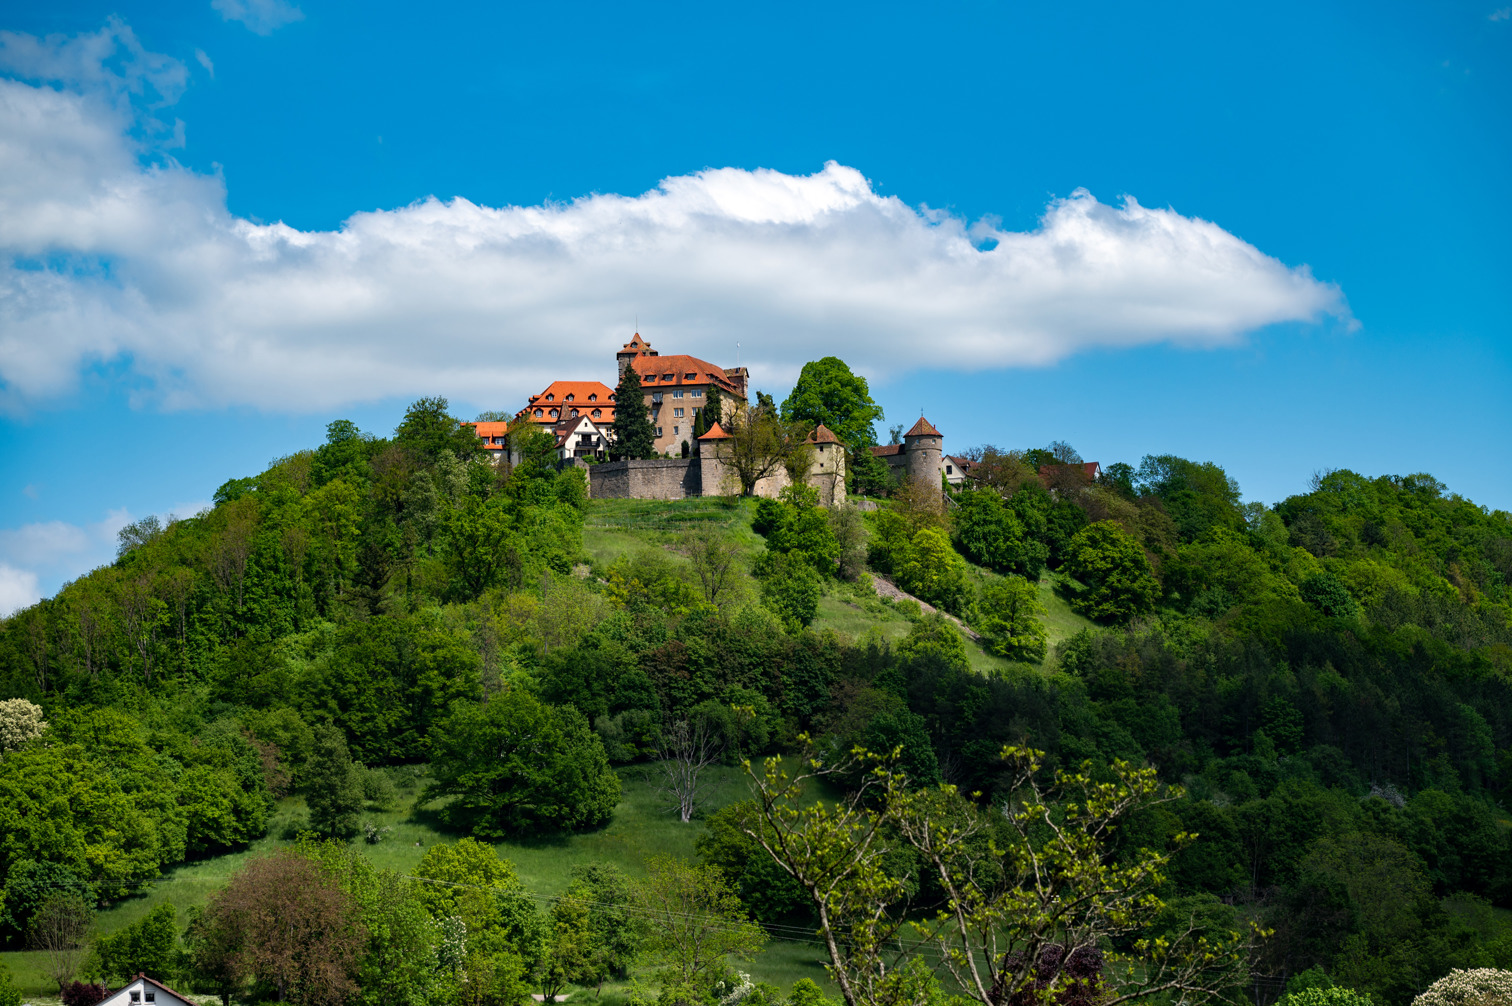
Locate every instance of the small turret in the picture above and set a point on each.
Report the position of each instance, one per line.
(923, 446)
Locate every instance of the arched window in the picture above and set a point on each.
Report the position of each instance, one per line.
(574, 413)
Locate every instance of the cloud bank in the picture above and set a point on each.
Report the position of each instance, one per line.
(110, 252)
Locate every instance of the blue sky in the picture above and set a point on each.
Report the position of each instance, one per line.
(159, 334)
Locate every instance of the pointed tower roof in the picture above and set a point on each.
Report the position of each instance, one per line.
(822, 435)
(716, 432)
(923, 428)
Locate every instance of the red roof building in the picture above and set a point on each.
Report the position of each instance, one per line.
(564, 400)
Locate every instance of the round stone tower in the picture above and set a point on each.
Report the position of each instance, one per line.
(922, 449)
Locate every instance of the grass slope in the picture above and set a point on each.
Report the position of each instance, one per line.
(642, 827)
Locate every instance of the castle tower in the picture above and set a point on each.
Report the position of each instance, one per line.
(828, 471)
(630, 350)
(923, 447)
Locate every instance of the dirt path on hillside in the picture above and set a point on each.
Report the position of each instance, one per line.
(886, 588)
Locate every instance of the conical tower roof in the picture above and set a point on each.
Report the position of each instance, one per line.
(923, 428)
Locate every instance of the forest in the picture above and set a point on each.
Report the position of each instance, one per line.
(1273, 759)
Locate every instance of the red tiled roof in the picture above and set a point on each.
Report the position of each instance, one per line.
(923, 428)
(491, 429)
(1090, 470)
(822, 435)
(679, 367)
(716, 432)
(886, 450)
(583, 399)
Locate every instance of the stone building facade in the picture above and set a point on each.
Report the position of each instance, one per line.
(676, 388)
(706, 473)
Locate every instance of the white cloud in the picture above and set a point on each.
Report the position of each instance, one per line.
(204, 60)
(18, 589)
(36, 559)
(102, 258)
(1501, 14)
(260, 16)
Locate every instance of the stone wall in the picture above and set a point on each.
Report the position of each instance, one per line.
(654, 479)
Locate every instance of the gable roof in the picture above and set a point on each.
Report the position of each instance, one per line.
(679, 367)
(923, 428)
(489, 429)
(150, 981)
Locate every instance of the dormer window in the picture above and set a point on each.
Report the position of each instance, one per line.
(611, 396)
(555, 413)
(597, 413)
(538, 413)
(551, 397)
(568, 398)
(689, 377)
(593, 397)
(666, 377)
(574, 413)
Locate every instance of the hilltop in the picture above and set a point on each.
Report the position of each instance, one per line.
(347, 642)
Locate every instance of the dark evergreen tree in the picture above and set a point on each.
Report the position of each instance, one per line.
(634, 434)
(333, 788)
(711, 413)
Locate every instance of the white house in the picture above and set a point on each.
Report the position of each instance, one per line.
(142, 990)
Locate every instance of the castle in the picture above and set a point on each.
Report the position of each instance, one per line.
(581, 414)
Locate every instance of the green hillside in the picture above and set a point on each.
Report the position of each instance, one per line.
(394, 633)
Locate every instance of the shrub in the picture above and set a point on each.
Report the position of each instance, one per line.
(75, 994)
(1477, 987)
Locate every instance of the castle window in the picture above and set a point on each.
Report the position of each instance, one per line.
(677, 393)
(696, 392)
(677, 413)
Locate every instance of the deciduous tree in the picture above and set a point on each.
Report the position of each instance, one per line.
(694, 922)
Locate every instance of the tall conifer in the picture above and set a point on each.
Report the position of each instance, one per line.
(634, 435)
(710, 414)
